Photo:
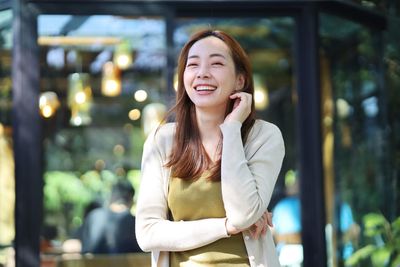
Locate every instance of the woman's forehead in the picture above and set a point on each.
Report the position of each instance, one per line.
(210, 46)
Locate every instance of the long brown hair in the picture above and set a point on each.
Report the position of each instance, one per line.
(188, 158)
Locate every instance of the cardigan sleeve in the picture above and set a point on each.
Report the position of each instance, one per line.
(154, 232)
(248, 175)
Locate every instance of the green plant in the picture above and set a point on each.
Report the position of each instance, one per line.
(383, 243)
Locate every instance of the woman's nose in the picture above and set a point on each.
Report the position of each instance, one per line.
(203, 72)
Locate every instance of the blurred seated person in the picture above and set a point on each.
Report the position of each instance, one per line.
(111, 229)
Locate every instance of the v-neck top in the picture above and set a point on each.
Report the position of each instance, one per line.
(201, 199)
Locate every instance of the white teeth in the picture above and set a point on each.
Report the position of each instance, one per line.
(205, 88)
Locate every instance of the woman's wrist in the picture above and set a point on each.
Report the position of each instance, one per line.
(230, 229)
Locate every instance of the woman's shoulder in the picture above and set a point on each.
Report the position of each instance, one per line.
(264, 128)
(264, 133)
(162, 136)
(166, 130)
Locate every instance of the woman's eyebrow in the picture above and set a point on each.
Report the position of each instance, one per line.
(217, 55)
(212, 55)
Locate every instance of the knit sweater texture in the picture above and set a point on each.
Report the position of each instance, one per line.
(248, 177)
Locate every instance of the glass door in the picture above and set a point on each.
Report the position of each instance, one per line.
(102, 88)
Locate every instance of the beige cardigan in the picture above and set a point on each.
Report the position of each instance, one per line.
(248, 176)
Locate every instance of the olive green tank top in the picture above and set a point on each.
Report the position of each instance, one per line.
(201, 199)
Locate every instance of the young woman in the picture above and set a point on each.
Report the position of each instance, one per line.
(207, 179)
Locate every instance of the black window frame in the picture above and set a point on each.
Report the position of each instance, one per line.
(26, 121)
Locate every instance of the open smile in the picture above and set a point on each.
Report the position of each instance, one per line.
(205, 88)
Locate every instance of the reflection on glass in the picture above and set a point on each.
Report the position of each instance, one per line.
(82, 163)
(353, 134)
(268, 42)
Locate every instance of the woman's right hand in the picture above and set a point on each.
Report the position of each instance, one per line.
(261, 226)
(256, 230)
(241, 107)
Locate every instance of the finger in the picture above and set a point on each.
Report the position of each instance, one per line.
(235, 95)
(266, 219)
(264, 230)
(258, 228)
(252, 234)
(269, 219)
(240, 95)
(255, 233)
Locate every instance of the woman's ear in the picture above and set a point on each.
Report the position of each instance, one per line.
(240, 80)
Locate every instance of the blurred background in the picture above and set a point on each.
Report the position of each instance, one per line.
(83, 83)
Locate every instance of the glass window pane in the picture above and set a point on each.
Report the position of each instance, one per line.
(354, 137)
(102, 89)
(7, 178)
(268, 42)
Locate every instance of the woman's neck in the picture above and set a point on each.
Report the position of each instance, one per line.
(208, 123)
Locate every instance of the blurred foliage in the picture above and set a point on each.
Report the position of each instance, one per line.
(82, 164)
(66, 196)
(383, 243)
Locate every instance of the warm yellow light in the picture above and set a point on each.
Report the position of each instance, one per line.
(111, 87)
(77, 40)
(47, 111)
(261, 99)
(140, 95)
(123, 61)
(123, 55)
(259, 96)
(110, 82)
(80, 97)
(48, 104)
(134, 114)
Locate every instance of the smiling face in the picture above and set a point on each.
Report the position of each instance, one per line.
(210, 76)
